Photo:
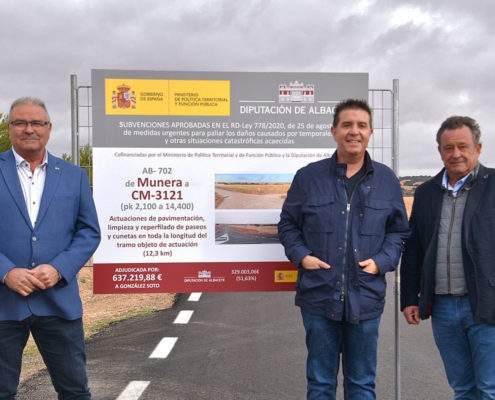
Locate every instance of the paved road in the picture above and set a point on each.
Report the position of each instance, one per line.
(227, 235)
(236, 200)
(237, 346)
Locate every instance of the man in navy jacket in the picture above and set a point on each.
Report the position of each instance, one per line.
(343, 225)
(48, 231)
(449, 261)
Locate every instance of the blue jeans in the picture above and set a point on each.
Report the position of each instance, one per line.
(61, 344)
(467, 348)
(358, 343)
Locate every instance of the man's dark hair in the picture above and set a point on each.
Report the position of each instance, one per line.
(355, 104)
(456, 122)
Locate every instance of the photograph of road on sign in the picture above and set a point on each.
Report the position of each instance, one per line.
(251, 191)
(256, 199)
(246, 234)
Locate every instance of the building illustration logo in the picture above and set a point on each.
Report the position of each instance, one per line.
(123, 97)
(296, 92)
(204, 274)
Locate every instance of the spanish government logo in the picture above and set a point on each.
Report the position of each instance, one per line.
(286, 276)
(296, 92)
(124, 98)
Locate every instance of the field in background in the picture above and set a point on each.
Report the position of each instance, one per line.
(256, 188)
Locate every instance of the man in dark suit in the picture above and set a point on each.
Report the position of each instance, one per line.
(448, 267)
(48, 231)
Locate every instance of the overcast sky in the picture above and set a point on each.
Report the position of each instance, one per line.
(442, 52)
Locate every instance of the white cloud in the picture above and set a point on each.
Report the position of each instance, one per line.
(414, 15)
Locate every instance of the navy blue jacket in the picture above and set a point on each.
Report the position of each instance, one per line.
(418, 266)
(318, 219)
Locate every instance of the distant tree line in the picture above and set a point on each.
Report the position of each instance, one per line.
(4, 133)
(415, 181)
(85, 160)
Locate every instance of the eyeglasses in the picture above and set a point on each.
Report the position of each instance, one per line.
(21, 124)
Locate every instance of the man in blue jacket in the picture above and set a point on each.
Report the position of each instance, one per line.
(48, 231)
(343, 225)
(449, 261)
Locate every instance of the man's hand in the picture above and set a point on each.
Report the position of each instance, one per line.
(312, 262)
(412, 315)
(369, 266)
(47, 274)
(23, 281)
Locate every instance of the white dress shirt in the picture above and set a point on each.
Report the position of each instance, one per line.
(32, 183)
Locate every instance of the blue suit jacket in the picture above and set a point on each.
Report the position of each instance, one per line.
(66, 235)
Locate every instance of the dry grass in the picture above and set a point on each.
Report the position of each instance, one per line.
(409, 202)
(100, 311)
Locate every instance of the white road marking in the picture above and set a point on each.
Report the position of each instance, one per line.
(194, 297)
(222, 239)
(136, 388)
(133, 390)
(164, 347)
(183, 317)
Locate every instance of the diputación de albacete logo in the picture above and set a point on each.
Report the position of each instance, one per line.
(296, 92)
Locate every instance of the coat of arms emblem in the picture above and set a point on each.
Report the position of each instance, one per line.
(124, 98)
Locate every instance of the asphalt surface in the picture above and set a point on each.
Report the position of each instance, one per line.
(238, 346)
(227, 235)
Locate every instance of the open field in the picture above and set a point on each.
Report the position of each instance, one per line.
(261, 189)
(249, 197)
(409, 202)
(409, 187)
(253, 230)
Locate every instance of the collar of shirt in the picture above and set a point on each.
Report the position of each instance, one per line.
(458, 184)
(19, 160)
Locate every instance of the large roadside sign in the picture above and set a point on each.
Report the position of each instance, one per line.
(191, 170)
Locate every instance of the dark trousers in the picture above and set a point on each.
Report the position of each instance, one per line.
(60, 343)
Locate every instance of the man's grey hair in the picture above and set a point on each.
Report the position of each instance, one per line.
(30, 100)
(456, 122)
